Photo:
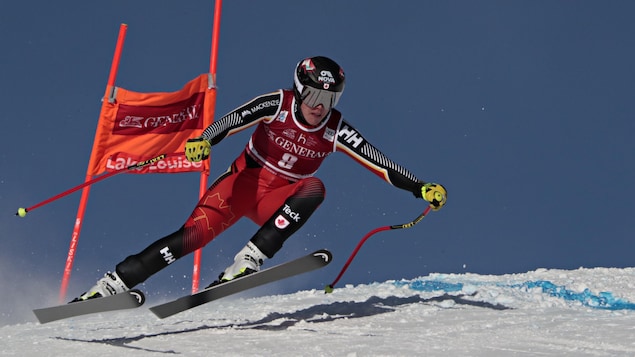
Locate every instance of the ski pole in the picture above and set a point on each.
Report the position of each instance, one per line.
(329, 288)
(23, 211)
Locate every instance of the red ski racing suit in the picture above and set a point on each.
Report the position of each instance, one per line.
(271, 182)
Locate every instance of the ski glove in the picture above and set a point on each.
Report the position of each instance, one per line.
(197, 149)
(435, 194)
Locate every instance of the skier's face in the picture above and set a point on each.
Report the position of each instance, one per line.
(313, 115)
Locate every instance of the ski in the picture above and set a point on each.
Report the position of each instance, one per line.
(126, 300)
(315, 260)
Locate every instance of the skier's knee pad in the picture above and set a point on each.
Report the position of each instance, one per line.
(311, 187)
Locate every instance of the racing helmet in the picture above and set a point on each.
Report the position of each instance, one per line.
(318, 80)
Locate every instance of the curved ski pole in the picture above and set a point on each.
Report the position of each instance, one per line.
(329, 288)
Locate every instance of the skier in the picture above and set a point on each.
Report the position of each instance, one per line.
(271, 182)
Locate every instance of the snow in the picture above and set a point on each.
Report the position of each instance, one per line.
(547, 312)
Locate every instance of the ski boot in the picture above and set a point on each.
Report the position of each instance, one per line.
(246, 262)
(110, 284)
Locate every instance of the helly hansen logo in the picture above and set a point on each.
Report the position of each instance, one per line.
(167, 255)
(350, 136)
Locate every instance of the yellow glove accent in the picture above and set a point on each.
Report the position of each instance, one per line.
(435, 194)
(197, 149)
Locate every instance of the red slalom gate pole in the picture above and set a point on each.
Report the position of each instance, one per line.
(196, 270)
(123, 28)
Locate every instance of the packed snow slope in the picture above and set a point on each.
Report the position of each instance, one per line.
(583, 312)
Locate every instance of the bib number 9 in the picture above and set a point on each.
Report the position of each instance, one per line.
(287, 161)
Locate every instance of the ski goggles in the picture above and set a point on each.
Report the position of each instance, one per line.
(314, 97)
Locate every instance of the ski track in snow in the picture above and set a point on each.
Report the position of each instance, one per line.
(583, 312)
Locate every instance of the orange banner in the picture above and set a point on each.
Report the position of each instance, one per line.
(134, 127)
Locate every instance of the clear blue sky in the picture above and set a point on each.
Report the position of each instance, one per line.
(522, 109)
